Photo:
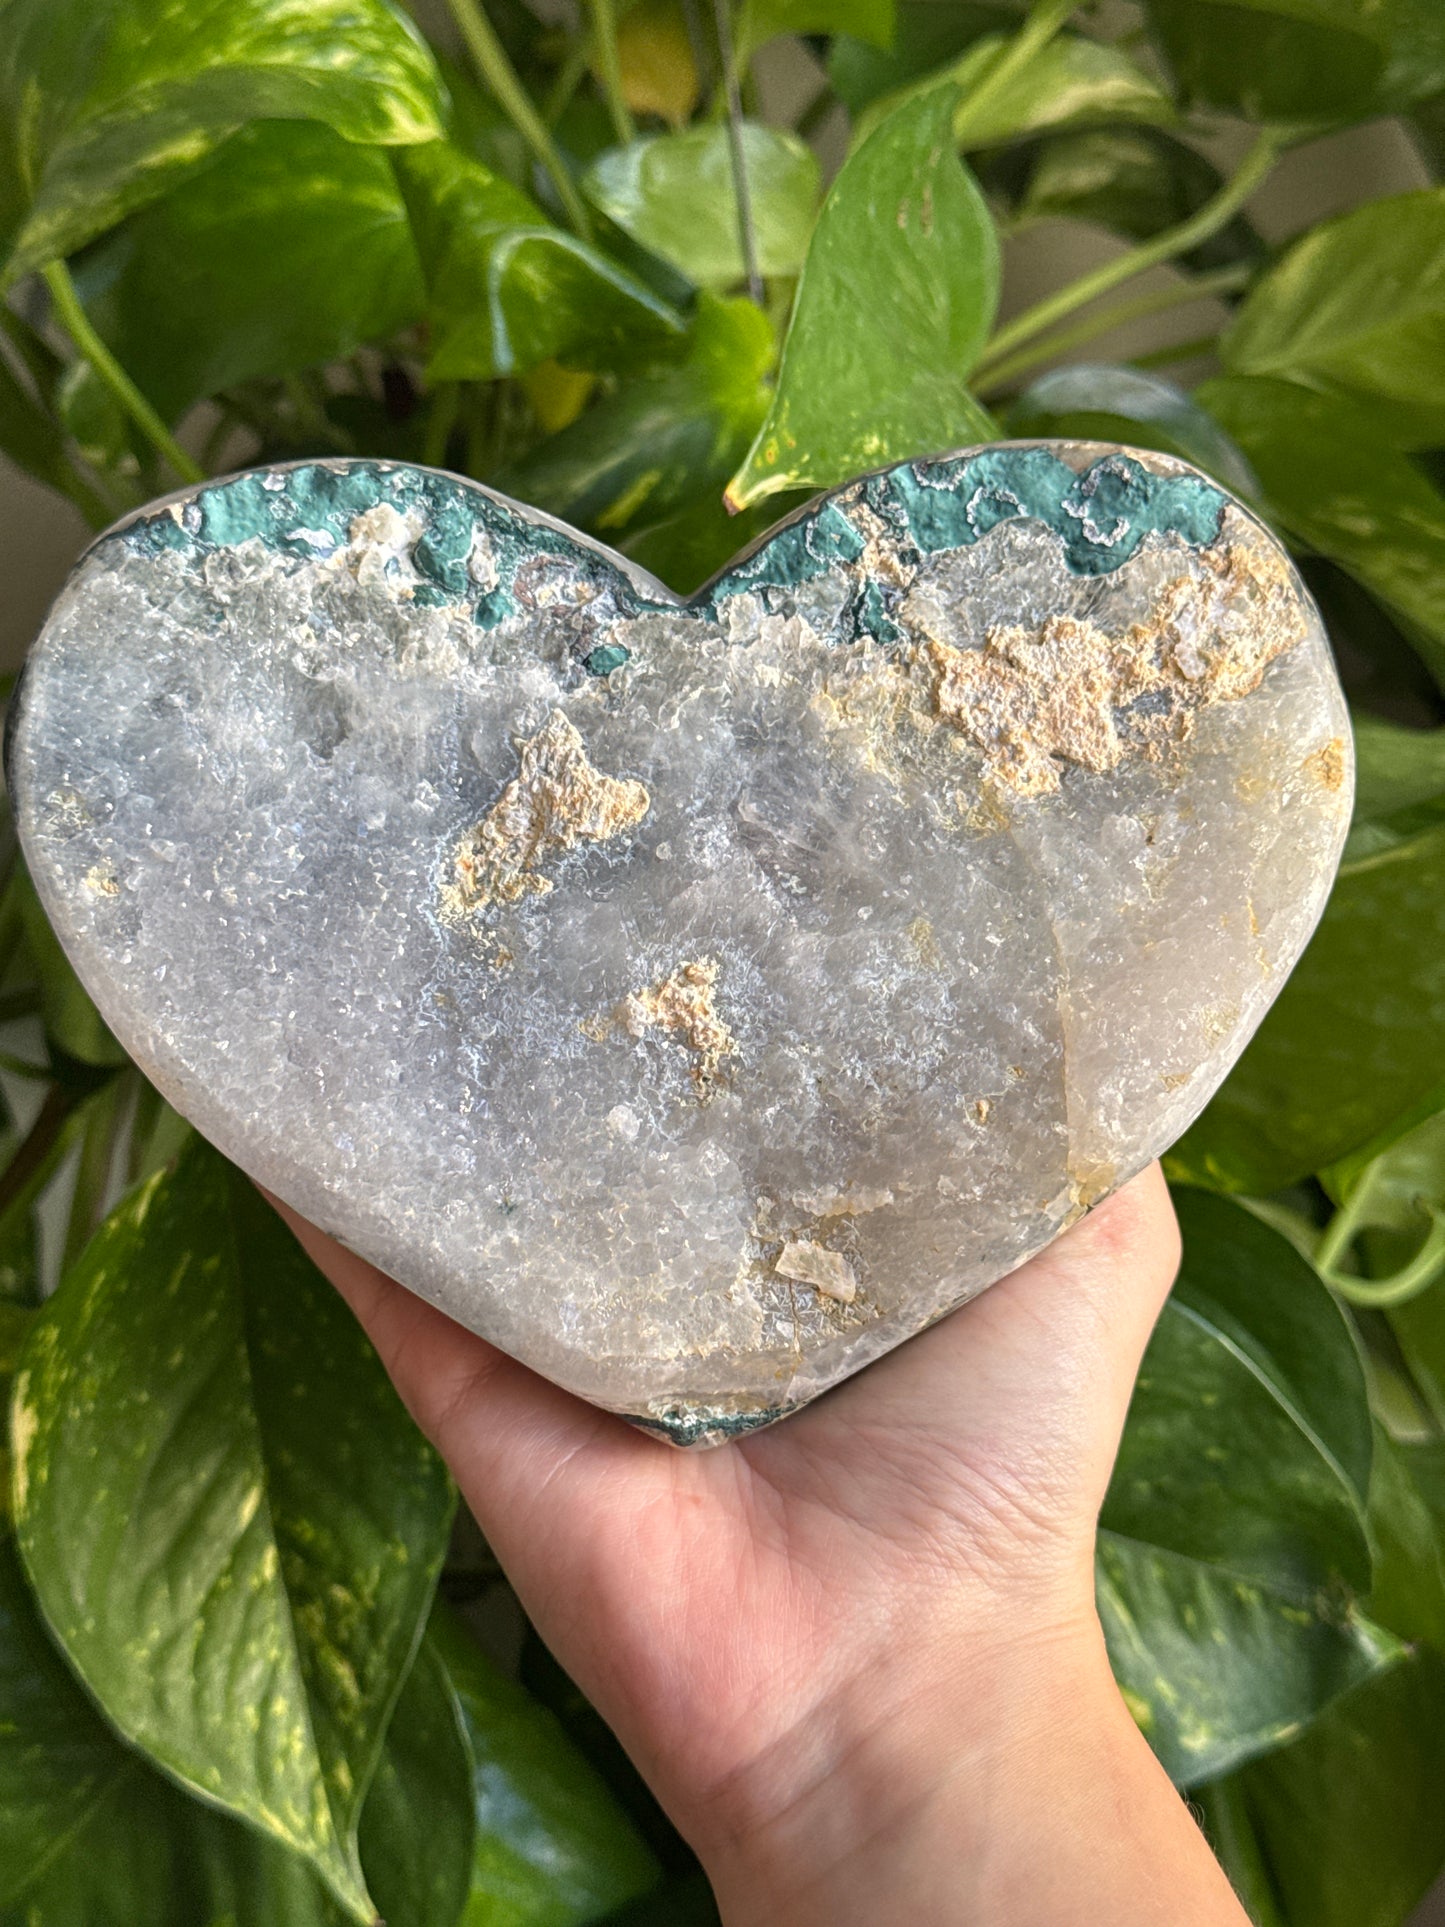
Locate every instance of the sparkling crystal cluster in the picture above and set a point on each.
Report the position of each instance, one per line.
(696, 999)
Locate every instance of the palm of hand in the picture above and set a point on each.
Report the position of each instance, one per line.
(715, 1606)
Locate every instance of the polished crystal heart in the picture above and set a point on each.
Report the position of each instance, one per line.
(696, 999)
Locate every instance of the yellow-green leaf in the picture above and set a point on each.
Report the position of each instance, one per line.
(896, 299)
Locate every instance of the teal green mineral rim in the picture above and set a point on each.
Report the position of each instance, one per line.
(1100, 514)
(685, 1426)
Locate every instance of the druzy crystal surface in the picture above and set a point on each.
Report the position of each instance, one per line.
(697, 1000)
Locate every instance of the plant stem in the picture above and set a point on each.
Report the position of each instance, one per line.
(604, 27)
(501, 76)
(1338, 1235)
(1207, 221)
(76, 323)
(44, 366)
(747, 234)
(569, 79)
(1158, 301)
(698, 41)
(1378, 1294)
(44, 1144)
(1043, 21)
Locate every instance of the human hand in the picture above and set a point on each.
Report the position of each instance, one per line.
(855, 1655)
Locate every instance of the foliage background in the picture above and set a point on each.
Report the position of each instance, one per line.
(286, 227)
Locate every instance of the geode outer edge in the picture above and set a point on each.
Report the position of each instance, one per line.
(696, 998)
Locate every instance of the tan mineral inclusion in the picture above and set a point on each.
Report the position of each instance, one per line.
(555, 801)
(697, 1000)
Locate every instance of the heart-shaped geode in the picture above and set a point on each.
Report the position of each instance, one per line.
(696, 999)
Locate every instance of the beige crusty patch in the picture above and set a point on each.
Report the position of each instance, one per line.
(556, 800)
(1033, 699)
(681, 1006)
(1327, 765)
(827, 1271)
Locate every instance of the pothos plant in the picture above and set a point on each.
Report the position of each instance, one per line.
(577, 258)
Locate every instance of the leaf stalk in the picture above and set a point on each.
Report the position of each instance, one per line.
(77, 324)
(1137, 308)
(501, 76)
(1042, 22)
(1379, 1294)
(747, 231)
(1216, 213)
(604, 32)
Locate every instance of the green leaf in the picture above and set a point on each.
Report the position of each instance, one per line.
(1399, 780)
(232, 1526)
(1096, 402)
(1427, 124)
(1248, 1442)
(550, 1685)
(553, 1849)
(59, 1761)
(684, 1903)
(1219, 1808)
(150, 1857)
(926, 34)
(1354, 1039)
(29, 435)
(15, 1323)
(764, 20)
(144, 1855)
(1135, 181)
(675, 194)
(1217, 1669)
(1331, 479)
(94, 420)
(1232, 1542)
(1419, 1330)
(1358, 305)
(896, 299)
(662, 441)
(1391, 1199)
(419, 1824)
(1069, 82)
(1348, 1820)
(1381, 669)
(291, 248)
(57, 1756)
(507, 290)
(688, 548)
(1405, 1532)
(1303, 60)
(107, 103)
(226, 1874)
(72, 1021)
(120, 1869)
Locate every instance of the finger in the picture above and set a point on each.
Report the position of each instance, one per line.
(1103, 1284)
(1087, 1301)
(1042, 1365)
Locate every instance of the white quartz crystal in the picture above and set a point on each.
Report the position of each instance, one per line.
(700, 1030)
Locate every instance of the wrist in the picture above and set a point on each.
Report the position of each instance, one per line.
(1010, 1787)
(904, 1756)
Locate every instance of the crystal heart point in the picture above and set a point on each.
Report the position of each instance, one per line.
(699, 998)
